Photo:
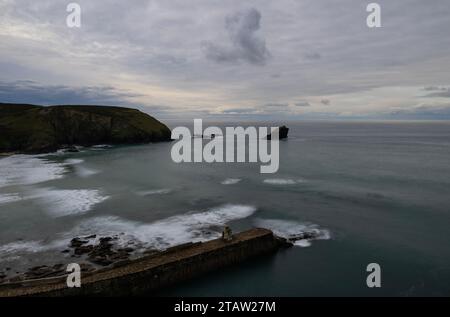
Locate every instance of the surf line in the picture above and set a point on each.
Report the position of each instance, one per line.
(189, 148)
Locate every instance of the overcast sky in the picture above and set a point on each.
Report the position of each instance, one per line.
(231, 59)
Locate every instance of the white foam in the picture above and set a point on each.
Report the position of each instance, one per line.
(161, 234)
(13, 250)
(283, 181)
(74, 161)
(21, 247)
(64, 202)
(81, 171)
(172, 231)
(28, 170)
(286, 229)
(231, 181)
(101, 146)
(162, 191)
(279, 181)
(9, 198)
(85, 172)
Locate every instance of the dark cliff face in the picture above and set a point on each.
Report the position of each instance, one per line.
(37, 129)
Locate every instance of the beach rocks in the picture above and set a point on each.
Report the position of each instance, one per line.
(304, 236)
(44, 271)
(93, 252)
(2, 277)
(77, 242)
(71, 149)
(103, 253)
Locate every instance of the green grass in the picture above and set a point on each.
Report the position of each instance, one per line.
(35, 129)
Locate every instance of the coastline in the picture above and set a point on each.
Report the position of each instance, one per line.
(6, 154)
(150, 273)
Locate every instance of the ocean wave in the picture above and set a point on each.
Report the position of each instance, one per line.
(288, 229)
(73, 161)
(14, 250)
(283, 181)
(22, 247)
(81, 171)
(101, 147)
(161, 234)
(9, 198)
(231, 181)
(85, 172)
(172, 231)
(28, 170)
(65, 202)
(162, 191)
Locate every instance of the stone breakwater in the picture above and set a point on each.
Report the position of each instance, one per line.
(153, 272)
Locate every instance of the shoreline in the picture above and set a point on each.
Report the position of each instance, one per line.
(153, 272)
(6, 154)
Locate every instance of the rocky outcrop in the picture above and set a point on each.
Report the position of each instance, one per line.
(38, 129)
(283, 133)
(101, 253)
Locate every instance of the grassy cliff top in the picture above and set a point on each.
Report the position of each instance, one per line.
(28, 128)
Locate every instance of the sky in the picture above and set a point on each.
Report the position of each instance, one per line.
(231, 59)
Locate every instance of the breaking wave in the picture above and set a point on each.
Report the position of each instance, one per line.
(231, 181)
(162, 191)
(288, 229)
(161, 234)
(65, 202)
(9, 198)
(172, 231)
(283, 181)
(28, 170)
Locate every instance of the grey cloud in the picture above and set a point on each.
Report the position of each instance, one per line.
(239, 111)
(303, 104)
(156, 44)
(26, 91)
(264, 110)
(313, 55)
(435, 88)
(245, 44)
(325, 102)
(440, 92)
(425, 111)
(275, 106)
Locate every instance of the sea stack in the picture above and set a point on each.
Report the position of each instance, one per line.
(283, 133)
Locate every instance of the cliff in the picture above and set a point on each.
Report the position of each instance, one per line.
(37, 129)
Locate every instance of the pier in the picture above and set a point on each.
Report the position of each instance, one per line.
(151, 273)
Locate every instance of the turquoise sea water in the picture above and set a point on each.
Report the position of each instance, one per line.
(377, 191)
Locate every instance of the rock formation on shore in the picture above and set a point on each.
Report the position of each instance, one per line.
(37, 129)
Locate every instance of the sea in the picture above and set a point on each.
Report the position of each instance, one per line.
(375, 192)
